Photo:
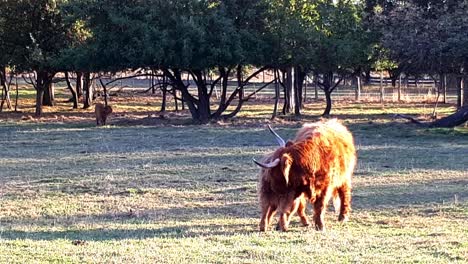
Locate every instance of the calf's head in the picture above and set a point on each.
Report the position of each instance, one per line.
(278, 163)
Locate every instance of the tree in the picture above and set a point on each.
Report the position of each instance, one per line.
(342, 46)
(35, 34)
(184, 41)
(429, 37)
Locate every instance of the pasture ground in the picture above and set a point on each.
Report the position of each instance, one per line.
(145, 190)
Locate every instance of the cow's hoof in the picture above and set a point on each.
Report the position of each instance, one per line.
(282, 229)
(319, 227)
(343, 218)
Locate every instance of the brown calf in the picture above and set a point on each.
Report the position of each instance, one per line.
(102, 112)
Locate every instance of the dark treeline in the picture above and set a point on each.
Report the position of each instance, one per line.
(208, 42)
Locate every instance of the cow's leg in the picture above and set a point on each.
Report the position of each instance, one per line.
(283, 224)
(336, 201)
(344, 192)
(301, 211)
(320, 207)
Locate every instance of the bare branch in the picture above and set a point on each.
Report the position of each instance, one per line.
(258, 90)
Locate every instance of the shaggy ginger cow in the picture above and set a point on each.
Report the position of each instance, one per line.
(317, 165)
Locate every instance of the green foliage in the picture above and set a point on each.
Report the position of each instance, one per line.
(164, 34)
(344, 45)
(32, 33)
(426, 40)
(321, 35)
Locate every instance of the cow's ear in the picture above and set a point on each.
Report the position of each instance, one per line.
(286, 162)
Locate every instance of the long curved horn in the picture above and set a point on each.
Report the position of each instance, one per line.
(268, 165)
(278, 138)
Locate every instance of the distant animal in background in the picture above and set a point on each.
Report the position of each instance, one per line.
(317, 164)
(102, 112)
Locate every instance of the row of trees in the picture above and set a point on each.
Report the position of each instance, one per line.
(228, 39)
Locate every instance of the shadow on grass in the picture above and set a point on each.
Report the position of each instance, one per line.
(396, 196)
(376, 199)
(389, 198)
(183, 216)
(103, 234)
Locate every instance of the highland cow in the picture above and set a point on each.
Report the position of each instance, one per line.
(102, 112)
(317, 164)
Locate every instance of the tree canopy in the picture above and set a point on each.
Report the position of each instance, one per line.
(196, 38)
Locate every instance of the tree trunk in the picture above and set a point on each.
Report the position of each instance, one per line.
(5, 89)
(164, 94)
(458, 118)
(286, 96)
(465, 91)
(381, 88)
(328, 82)
(277, 94)
(106, 98)
(292, 90)
(444, 87)
(367, 77)
(72, 89)
(49, 95)
(17, 93)
(39, 98)
(79, 84)
(176, 102)
(152, 84)
(328, 107)
(316, 86)
(460, 89)
(298, 87)
(204, 111)
(358, 88)
(304, 99)
(399, 88)
(175, 77)
(394, 82)
(289, 91)
(182, 103)
(43, 81)
(224, 75)
(240, 85)
(87, 90)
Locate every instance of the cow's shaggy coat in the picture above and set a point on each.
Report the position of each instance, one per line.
(102, 112)
(317, 165)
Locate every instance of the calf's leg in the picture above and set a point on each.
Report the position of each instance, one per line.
(301, 211)
(288, 206)
(264, 221)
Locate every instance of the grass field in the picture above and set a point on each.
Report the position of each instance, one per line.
(138, 193)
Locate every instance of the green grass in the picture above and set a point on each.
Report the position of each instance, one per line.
(74, 193)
